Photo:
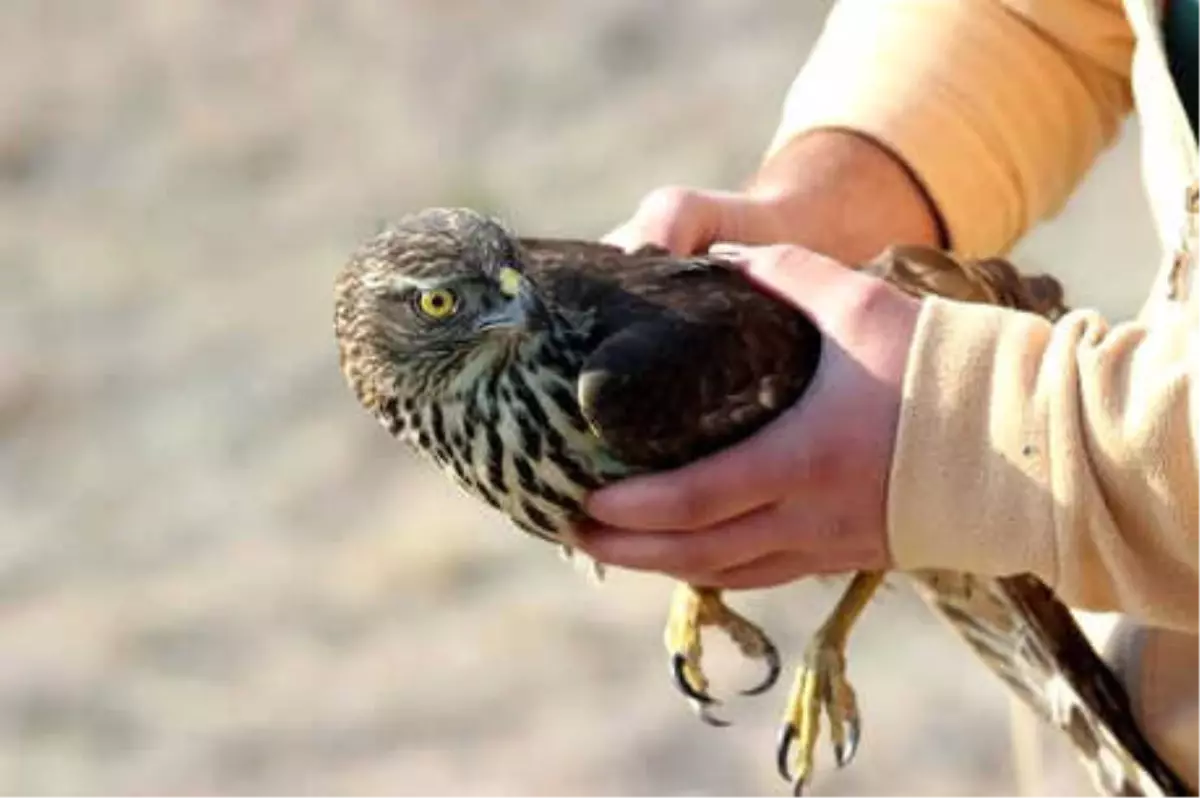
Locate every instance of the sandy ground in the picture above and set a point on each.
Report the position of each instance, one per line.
(216, 574)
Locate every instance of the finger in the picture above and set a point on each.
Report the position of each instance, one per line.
(812, 534)
(823, 287)
(682, 220)
(682, 236)
(769, 571)
(628, 236)
(691, 553)
(780, 568)
(771, 465)
(786, 268)
(810, 529)
(801, 273)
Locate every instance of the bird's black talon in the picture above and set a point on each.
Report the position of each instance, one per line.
(798, 786)
(678, 663)
(702, 711)
(783, 750)
(852, 737)
(774, 668)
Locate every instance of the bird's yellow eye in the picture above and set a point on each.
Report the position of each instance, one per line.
(438, 303)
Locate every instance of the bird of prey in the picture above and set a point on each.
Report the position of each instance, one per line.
(533, 371)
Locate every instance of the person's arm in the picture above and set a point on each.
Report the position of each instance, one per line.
(832, 191)
(920, 122)
(997, 108)
(846, 196)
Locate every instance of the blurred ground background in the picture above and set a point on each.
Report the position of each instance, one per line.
(216, 573)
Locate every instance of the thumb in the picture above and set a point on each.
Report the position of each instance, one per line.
(753, 473)
(682, 220)
(819, 285)
(871, 321)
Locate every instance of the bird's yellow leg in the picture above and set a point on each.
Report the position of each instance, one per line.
(692, 609)
(821, 684)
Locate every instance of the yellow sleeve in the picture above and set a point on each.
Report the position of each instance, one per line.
(997, 107)
(1070, 453)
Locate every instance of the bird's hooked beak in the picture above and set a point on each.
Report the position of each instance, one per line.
(523, 312)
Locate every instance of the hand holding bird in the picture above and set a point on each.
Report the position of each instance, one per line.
(807, 493)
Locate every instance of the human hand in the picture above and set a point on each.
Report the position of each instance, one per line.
(807, 494)
(688, 220)
(830, 191)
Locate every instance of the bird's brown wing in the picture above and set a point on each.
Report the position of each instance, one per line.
(686, 356)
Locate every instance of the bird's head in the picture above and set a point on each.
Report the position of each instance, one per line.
(431, 302)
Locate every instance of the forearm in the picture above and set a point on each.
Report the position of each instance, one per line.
(998, 107)
(845, 196)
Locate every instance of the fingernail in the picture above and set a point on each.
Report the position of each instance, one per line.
(622, 239)
(734, 253)
(611, 505)
(596, 541)
(596, 505)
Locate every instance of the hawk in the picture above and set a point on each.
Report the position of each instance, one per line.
(533, 371)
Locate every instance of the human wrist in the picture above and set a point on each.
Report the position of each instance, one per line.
(845, 195)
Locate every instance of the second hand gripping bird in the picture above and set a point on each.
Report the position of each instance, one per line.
(534, 371)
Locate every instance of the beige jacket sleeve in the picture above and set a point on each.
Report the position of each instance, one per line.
(1065, 450)
(998, 113)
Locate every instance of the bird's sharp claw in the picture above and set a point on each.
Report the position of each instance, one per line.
(774, 668)
(679, 666)
(820, 685)
(704, 712)
(784, 756)
(783, 750)
(844, 721)
(853, 730)
(691, 610)
(701, 701)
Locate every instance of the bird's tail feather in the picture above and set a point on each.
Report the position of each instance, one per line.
(1031, 641)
